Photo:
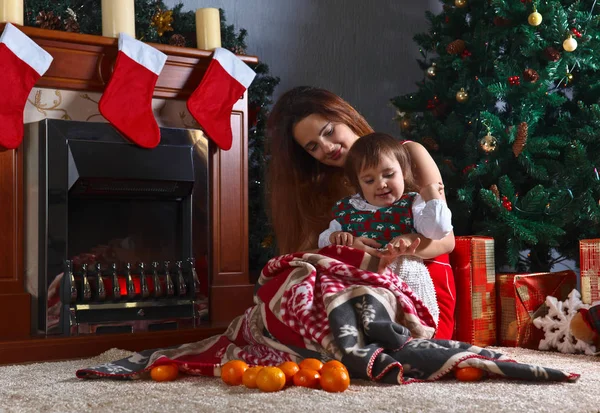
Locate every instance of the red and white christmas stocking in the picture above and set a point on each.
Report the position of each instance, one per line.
(127, 99)
(224, 82)
(22, 63)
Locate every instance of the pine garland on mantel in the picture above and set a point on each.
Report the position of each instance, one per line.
(156, 23)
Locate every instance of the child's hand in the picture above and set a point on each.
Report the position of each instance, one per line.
(341, 238)
(432, 191)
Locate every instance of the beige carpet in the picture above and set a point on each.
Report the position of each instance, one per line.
(53, 387)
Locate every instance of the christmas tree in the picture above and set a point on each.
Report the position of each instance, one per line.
(508, 107)
(156, 23)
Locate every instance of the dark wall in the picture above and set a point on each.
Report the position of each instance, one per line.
(361, 50)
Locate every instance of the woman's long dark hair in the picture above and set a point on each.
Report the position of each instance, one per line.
(302, 190)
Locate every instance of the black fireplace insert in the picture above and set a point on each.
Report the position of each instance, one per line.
(117, 237)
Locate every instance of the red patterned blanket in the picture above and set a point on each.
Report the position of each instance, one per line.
(331, 305)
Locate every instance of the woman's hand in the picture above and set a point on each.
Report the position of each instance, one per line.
(432, 191)
(367, 245)
(402, 245)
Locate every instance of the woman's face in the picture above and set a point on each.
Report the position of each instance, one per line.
(326, 141)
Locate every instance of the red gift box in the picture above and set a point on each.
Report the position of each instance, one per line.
(475, 278)
(589, 254)
(522, 299)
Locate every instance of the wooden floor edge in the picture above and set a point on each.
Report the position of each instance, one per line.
(68, 348)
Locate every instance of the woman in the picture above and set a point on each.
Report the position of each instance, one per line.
(310, 131)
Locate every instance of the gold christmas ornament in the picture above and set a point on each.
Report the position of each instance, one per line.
(488, 143)
(405, 124)
(431, 71)
(267, 241)
(570, 44)
(462, 96)
(460, 3)
(535, 19)
(162, 21)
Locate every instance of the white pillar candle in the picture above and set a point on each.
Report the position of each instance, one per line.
(208, 28)
(118, 16)
(11, 11)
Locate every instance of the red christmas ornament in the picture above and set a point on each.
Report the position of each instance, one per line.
(514, 80)
(506, 203)
(253, 111)
(576, 32)
(468, 168)
(465, 54)
(433, 103)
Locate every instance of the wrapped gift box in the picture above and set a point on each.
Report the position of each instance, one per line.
(522, 298)
(475, 278)
(589, 254)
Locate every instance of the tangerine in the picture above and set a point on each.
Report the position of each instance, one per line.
(232, 372)
(165, 372)
(307, 378)
(270, 379)
(333, 364)
(311, 363)
(249, 377)
(335, 380)
(289, 368)
(468, 374)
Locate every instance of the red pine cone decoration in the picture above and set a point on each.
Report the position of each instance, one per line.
(495, 191)
(450, 164)
(531, 75)
(456, 47)
(501, 21)
(239, 50)
(521, 139)
(71, 25)
(177, 40)
(430, 143)
(551, 54)
(47, 20)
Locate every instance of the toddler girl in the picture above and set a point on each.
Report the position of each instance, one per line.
(379, 167)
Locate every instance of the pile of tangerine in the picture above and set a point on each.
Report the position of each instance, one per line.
(310, 372)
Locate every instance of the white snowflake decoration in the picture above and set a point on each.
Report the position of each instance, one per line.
(556, 325)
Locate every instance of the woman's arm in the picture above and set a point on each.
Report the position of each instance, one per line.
(426, 249)
(426, 172)
(424, 168)
(429, 248)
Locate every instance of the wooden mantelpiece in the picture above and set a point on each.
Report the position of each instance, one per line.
(84, 63)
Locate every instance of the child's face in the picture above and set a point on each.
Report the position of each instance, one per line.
(384, 184)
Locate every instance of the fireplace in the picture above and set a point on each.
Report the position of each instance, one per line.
(117, 237)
